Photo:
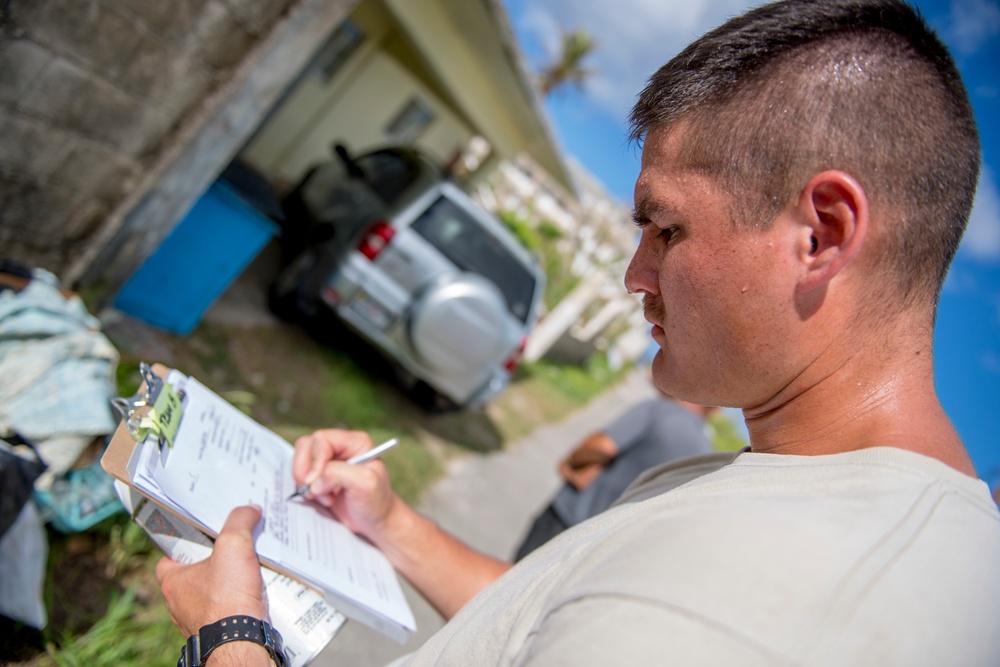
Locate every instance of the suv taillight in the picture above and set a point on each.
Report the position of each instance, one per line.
(375, 239)
(511, 364)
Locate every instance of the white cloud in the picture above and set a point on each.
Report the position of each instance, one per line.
(543, 29)
(634, 38)
(982, 237)
(971, 24)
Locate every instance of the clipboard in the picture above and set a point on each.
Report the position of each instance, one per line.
(120, 448)
(120, 460)
(291, 601)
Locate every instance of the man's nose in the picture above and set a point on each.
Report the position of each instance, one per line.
(640, 276)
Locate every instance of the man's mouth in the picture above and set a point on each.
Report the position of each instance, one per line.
(654, 312)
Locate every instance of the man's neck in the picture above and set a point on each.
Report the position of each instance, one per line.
(868, 399)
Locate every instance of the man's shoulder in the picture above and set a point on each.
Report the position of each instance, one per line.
(674, 474)
(877, 475)
(761, 544)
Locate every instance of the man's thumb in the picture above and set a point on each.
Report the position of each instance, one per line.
(242, 520)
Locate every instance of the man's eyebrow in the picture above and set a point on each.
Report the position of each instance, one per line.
(646, 208)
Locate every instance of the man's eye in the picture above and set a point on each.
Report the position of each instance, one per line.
(667, 233)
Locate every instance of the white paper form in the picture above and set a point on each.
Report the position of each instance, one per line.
(305, 621)
(222, 459)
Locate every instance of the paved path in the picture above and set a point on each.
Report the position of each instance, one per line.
(488, 501)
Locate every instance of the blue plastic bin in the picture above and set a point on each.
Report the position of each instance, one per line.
(196, 263)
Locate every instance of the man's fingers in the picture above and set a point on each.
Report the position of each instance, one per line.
(311, 451)
(314, 451)
(302, 459)
(338, 475)
(164, 567)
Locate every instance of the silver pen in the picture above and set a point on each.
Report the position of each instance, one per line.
(373, 453)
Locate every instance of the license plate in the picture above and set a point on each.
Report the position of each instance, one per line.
(364, 305)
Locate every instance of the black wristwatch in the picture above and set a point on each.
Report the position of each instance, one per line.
(231, 629)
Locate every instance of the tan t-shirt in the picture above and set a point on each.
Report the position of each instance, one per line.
(875, 557)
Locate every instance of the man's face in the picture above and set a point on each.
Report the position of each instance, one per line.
(720, 297)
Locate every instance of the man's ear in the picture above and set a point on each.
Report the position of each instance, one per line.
(833, 214)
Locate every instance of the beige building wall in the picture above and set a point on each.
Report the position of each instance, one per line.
(355, 114)
(449, 38)
(354, 107)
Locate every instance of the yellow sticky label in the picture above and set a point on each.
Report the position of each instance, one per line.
(167, 413)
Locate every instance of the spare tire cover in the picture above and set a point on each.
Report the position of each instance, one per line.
(461, 323)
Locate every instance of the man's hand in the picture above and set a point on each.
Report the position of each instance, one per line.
(446, 571)
(588, 460)
(226, 583)
(360, 496)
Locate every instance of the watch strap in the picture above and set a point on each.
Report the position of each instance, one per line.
(232, 628)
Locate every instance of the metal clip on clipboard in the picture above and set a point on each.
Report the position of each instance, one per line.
(156, 418)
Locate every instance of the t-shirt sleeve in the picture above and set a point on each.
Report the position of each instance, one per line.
(609, 630)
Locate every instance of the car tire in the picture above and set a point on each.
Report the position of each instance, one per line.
(432, 401)
(289, 296)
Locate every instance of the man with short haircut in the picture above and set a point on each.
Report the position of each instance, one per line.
(808, 169)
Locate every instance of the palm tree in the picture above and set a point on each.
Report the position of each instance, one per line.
(566, 67)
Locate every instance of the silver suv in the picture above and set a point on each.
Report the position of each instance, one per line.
(408, 261)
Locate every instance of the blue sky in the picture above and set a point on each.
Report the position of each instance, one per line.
(637, 36)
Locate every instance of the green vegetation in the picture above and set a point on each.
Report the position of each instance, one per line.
(726, 437)
(524, 232)
(126, 635)
(578, 384)
(542, 240)
(545, 392)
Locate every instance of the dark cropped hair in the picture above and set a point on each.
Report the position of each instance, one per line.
(774, 96)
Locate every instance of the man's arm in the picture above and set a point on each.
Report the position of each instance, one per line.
(239, 654)
(588, 460)
(447, 572)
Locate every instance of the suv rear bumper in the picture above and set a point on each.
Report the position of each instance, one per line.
(375, 308)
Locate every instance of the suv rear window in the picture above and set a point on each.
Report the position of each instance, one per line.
(389, 173)
(459, 238)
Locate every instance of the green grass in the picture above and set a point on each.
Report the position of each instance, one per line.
(408, 464)
(546, 392)
(123, 636)
(578, 383)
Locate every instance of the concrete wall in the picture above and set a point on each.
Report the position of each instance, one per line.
(93, 94)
